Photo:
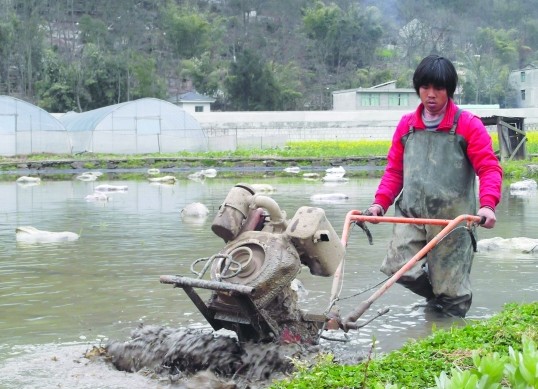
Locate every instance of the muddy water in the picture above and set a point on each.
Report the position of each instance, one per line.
(59, 300)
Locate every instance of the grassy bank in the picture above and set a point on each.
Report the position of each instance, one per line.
(456, 352)
(305, 154)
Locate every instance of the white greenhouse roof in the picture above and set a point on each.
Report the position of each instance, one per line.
(19, 115)
(146, 125)
(28, 129)
(131, 115)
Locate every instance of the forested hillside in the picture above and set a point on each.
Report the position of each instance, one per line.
(254, 54)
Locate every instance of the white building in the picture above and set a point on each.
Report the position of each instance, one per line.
(383, 96)
(525, 83)
(192, 102)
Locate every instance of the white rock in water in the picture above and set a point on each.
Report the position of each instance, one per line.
(520, 244)
(336, 170)
(334, 178)
(329, 197)
(209, 173)
(153, 171)
(111, 188)
(262, 188)
(97, 196)
(197, 177)
(28, 179)
(28, 234)
(164, 180)
(87, 176)
(524, 185)
(292, 169)
(195, 210)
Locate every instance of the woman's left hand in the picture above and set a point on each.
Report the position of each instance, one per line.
(489, 216)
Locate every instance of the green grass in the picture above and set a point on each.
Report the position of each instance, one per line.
(306, 150)
(295, 149)
(418, 363)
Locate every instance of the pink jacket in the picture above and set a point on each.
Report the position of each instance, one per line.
(479, 151)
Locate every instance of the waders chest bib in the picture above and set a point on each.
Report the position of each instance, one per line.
(438, 182)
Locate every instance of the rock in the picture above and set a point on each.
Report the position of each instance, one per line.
(293, 169)
(97, 196)
(195, 210)
(111, 188)
(28, 179)
(262, 188)
(164, 179)
(524, 185)
(328, 197)
(209, 173)
(88, 176)
(519, 244)
(334, 178)
(28, 234)
(336, 170)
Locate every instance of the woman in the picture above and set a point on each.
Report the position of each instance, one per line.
(436, 153)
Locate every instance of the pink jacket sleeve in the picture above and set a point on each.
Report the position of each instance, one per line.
(483, 159)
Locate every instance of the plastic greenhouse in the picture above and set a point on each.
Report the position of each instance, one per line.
(141, 126)
(28, 129)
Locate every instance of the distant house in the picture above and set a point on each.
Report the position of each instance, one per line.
(382, 96)
(525, 83)
(192, 102)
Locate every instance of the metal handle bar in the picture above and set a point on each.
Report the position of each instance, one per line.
(353, 216)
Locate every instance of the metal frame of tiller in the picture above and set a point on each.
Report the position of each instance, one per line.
(248, 321)
(357, 217)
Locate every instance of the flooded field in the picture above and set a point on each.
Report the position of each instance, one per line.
(60, 300)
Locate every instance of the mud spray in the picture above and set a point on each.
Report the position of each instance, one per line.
(191, 358)
(197, 358)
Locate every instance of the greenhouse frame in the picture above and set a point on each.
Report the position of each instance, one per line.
(141, 126)
(27, 129)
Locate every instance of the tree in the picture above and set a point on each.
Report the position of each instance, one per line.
(7, 41)
(205, 73)
(251, 85)
(28, 45)
(343, 39)
(54, 90)
(187, 32)
(146, 81)
(93, 31)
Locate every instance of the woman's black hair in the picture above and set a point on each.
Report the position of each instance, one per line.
(438, 71)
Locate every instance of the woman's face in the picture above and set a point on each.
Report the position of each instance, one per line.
(434, 98)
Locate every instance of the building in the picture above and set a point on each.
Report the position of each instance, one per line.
(192, 102)
(383, 96)
(525, 84)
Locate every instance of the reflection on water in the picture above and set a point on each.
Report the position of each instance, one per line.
(106, 282)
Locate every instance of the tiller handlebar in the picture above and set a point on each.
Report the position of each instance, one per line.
(348, 322)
